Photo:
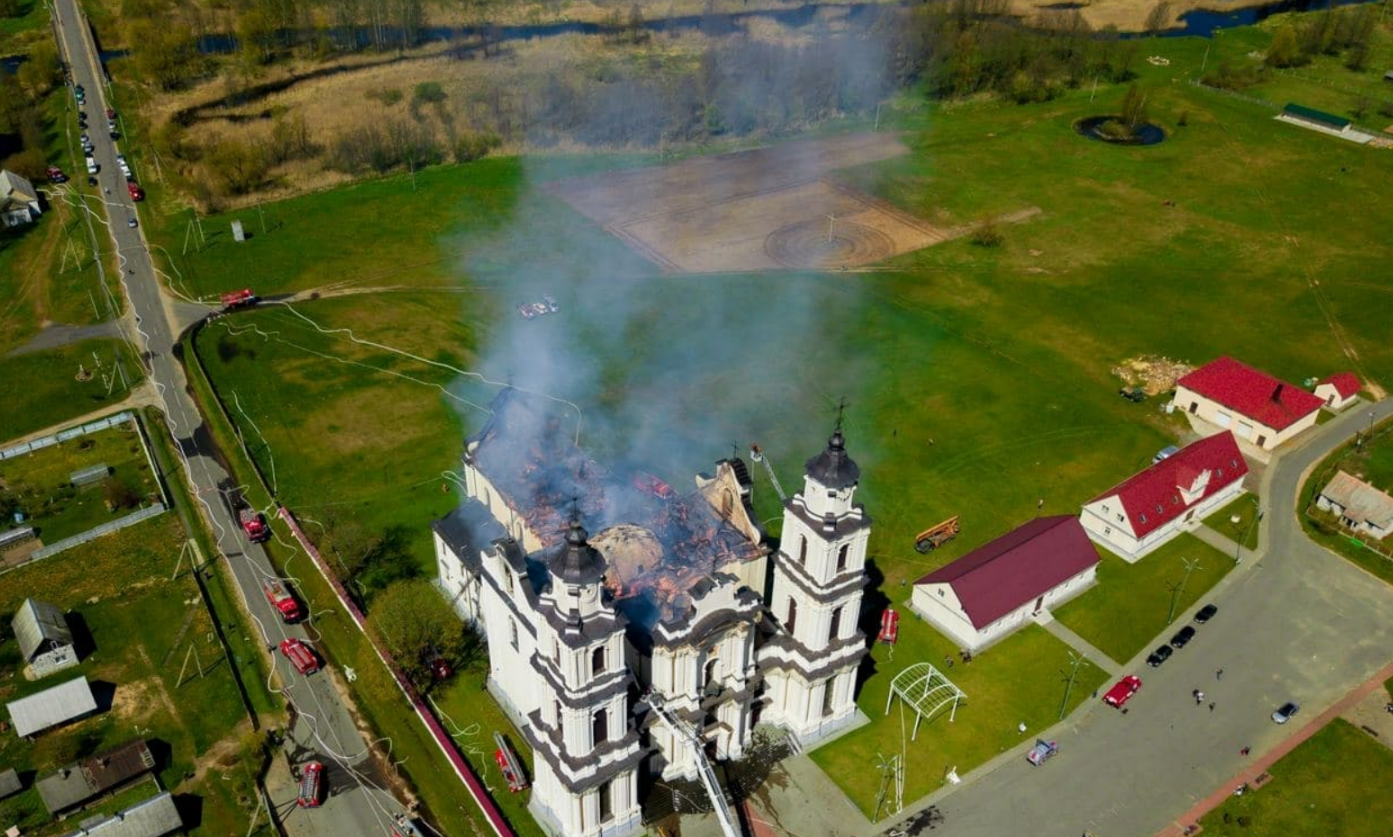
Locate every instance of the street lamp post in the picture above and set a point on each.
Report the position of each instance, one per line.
(1238, 552)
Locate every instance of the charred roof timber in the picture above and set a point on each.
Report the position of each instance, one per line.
(834, 467)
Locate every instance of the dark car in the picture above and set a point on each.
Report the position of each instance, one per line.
(1183, 637)
(115, 135)
(1160, 655)
(91, 180)
(1206, 613)
(1284, 712)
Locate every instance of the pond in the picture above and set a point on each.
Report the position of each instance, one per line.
(1145, 134)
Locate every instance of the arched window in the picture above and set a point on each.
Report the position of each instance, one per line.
(802, 550)
(836, 625)
(841, 556)
(710, 672)
(597, 661)
(792, 619)
(599, 727)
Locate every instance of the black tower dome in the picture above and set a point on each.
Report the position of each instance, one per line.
(576, 561)
(833, 467)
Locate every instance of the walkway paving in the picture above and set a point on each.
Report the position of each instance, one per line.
(1260, 764)
(57, 335)
(1047, 621)
(1221, 542)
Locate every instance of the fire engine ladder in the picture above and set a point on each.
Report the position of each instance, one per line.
(684, 731)
(758, 455)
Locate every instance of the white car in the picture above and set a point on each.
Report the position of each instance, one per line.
(92, 167)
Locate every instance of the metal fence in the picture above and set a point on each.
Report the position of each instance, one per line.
(1234, 94)
(64, 435)
(97, 531)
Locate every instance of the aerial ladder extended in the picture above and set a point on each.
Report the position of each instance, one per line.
(684, 731)
(757, 454)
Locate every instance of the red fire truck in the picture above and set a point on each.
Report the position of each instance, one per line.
(254, 524)
(239, 299)
(300, 655)
(281, 599)
(311, 786)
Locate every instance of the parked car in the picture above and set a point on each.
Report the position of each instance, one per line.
(1042, 752)
(1122, 691)
(92, 167)
(300, 655)
(132, 223)
(1183, 637)
(1285, 712)
(311, 793)
(1165, 453)
(1206, 613)
(91, 180)
(55, 175)
(1160, 655)
(110, 114)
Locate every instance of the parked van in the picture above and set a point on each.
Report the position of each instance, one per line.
(92, 167)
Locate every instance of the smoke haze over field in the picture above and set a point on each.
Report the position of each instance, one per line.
(670, 370)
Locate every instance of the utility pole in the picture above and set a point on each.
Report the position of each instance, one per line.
(1190, 566)
(877, 117)
(1205, 62)
(1078, 660)
(831, 219)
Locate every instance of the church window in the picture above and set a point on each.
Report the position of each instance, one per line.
(605, 793)
(508, 580)
(710, 673)
(597, 661)
(841, 556)
(792, 619)
(557, 706)
(488, 504)
(513, 634)
(802, 550)
(599, 727)
(836, 625)
(827, 694)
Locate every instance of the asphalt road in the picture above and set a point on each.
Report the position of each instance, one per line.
(1299, 623)
(323, 727)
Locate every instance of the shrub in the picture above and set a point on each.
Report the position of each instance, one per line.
(429, 92)
(986, 233)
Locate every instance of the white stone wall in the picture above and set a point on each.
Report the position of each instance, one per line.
(1248, 430)
(53, 661)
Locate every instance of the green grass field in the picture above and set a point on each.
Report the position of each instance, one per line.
(38, 482)
(142, 625)
(978, 377)
(1244, 531)
(1307, 798)
(1129, 607)
(50, 392)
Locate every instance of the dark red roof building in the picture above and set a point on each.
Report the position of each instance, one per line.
(997, 587)
(1258, 407)
(1144, 511)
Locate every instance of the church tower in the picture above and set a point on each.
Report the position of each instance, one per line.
(819, 574)
(584, 740)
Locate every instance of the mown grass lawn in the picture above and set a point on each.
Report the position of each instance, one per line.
(46, 389)
(1127, 611)
(39, 482)
(978, 378)
(1333, 783)
(142, 626)
(1244, 532)
(1021, 680)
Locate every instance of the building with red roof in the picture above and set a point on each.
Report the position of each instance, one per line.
(1258, 408)
(995, 589)
(1339, 390)
(1149, 508)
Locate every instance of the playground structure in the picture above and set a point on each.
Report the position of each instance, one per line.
(926, 690)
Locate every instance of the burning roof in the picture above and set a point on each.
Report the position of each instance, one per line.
(655, 549)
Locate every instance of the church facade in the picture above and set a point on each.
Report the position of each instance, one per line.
(675, 598)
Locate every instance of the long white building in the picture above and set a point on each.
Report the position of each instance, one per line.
(674, 594)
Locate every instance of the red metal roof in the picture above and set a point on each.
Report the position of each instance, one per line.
(1257, 395)
(1154, 497)
(1344, 383)
(1024, 564)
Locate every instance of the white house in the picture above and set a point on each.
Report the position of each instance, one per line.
(44, 637)
(1360, 506)
(19, 202)
(997, 588)
(671, 600)
(1141, 513)
(1257, 407)
(1338, 391)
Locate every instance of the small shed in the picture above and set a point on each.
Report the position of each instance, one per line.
(44, 637)
(53, 707)
(10, 783)
(14, 537)
(155, 817)
(103, 773)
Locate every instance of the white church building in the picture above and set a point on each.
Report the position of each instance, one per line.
(600, 597)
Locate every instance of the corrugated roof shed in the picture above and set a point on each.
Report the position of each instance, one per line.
(64, 789)
(97, 774)
(1362, 502)
(9, 783)
(155, 817)
(40, 627)
(66, 702)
